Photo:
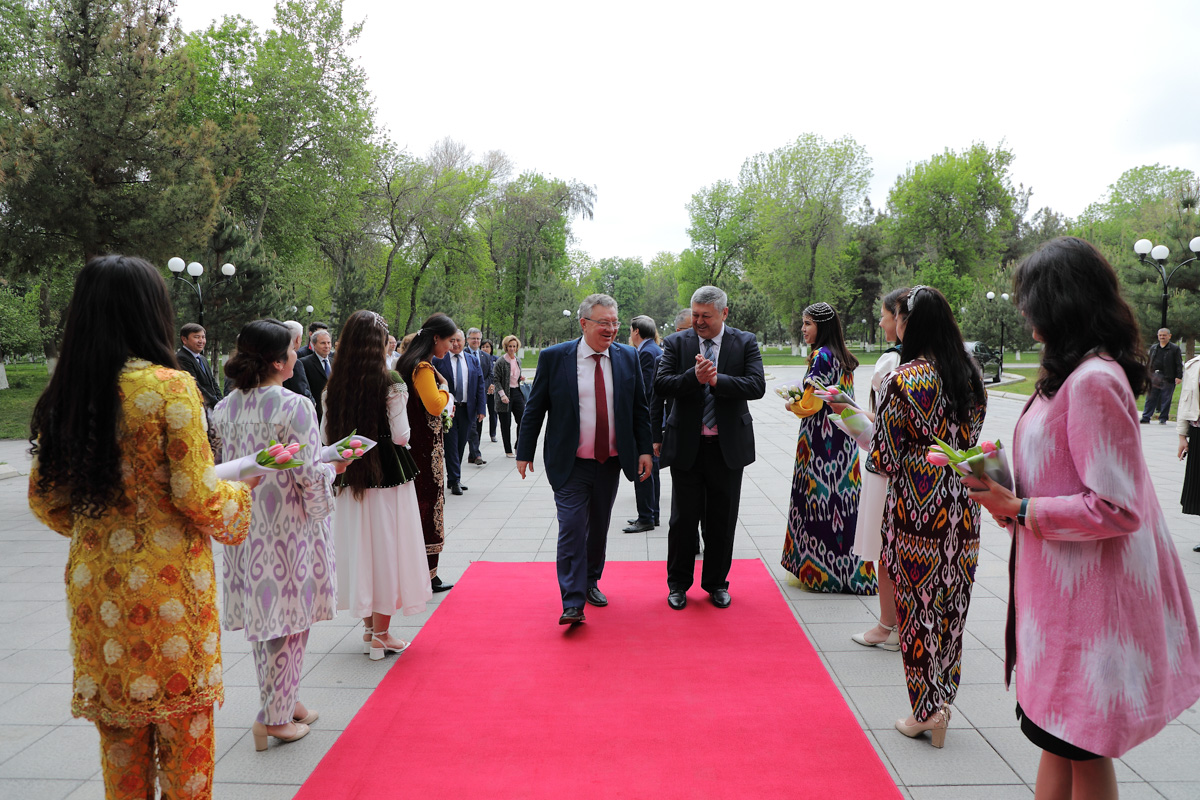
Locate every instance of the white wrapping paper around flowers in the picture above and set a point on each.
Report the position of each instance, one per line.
(855, 424)
(246, 467)
(333, 452)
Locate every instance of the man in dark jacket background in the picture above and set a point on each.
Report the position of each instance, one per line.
(1166, 371)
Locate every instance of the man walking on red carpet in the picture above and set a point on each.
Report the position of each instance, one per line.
(709, 372)
(599, 426)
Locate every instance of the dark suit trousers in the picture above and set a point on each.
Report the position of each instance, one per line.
(710, 489)
(456, 442)
(646, 493)
(584, 509)
(473, 430)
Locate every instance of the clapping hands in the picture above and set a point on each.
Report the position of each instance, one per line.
(706, 371)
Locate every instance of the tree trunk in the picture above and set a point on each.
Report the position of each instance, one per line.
(49, 342)
(525, 299)
(3, 377)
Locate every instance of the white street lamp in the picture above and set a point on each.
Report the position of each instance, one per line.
(1158, 255)
(196, 269)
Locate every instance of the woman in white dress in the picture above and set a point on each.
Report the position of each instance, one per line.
(280, 580)
(868, 537)
(381, 565)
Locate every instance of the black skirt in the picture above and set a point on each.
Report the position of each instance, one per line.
(1191, 477)
(1051, 743)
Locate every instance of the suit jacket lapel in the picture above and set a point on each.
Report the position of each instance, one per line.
(612, 359)
(571, 378)
(691, 349)
(723, 353)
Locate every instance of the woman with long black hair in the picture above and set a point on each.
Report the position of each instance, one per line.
(826, 481)
(122, 465)
(930, 526)
(428, 397)
(377, 523)
(1101, 630)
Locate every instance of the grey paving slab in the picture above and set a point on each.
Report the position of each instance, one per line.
(502, 518)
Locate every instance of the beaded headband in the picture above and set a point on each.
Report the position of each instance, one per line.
(819, 312)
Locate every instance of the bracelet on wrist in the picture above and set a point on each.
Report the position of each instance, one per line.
(1023, 511)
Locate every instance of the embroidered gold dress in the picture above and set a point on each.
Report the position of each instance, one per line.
(141, 594)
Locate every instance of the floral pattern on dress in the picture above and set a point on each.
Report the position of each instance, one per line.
(139, 628)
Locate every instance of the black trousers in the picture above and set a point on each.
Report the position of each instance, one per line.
(710, 490)
(516, 406)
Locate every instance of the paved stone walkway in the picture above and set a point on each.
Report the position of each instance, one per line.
(45, 754)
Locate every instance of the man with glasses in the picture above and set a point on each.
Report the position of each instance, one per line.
(643, 337)
(709, 373)
(592, 390)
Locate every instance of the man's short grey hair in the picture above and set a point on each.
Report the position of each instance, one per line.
(1167, 331)
(460, 333)
(313, 336)
(296, 328)
(593, 300)
(474, 331)
(681, 316)
(711, 296)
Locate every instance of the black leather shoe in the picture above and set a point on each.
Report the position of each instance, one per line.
(1145, 422)
(479, 462)
(455, 488)
(1196, 549)
(571, 616)
(677, 600)
(720, 598)
(463, 486)
(438, 586)
(638, 527)
(596, 597)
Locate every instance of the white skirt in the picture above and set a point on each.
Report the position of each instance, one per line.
(381, 562)
(868, 534)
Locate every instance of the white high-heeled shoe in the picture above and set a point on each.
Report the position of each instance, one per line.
(368, 633)
(892, 642)
(379, 646)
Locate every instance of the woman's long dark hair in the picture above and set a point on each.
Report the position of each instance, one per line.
(829, 334)
(259, 344)
(931, 332)
(421, 348)
(120, 310)
(1069, 292)
(356, 394)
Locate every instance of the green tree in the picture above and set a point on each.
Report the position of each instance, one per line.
(96, 153)
(721, 231)
(955, 207)
(624, 280)
(801, 195)
(661, 299)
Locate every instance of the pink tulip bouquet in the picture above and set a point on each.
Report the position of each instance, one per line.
(351, 448)
(834, 395)
(986, 458)
(274, 458)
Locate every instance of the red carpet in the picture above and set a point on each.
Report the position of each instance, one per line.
(496, 700)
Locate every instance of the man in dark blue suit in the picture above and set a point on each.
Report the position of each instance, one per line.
(643, 334)
(466, 385)
(486, 360)
(599, 426)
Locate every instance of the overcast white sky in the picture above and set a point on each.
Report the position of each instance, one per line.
(650, 101)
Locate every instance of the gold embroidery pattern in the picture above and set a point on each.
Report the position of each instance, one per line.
(141, 590)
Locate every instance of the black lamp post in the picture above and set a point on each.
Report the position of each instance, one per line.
(1000, 366)
(196, 269)
(1158, 259)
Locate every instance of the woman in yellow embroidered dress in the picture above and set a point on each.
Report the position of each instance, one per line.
(122, 465)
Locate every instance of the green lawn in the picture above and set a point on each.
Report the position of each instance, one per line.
(1025, 387)
(26, 382)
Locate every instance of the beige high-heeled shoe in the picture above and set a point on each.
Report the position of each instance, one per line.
(260, 732)
(380, 647)
(367, 634)
(936, 724)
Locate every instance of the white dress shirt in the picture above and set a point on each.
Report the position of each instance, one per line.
(585, 371)
(716, 359)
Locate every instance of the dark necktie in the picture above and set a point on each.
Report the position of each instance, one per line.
(460, 385)
(601, 446)
(325, 363)
(710, 402)
(203, 366)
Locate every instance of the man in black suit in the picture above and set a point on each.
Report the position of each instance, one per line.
(191, 359)
(313, 327)
(1166, 372)
(298, 383)
(709, 373)
(465, 381)
(643, 334)
(317, 366)
(486, 360)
